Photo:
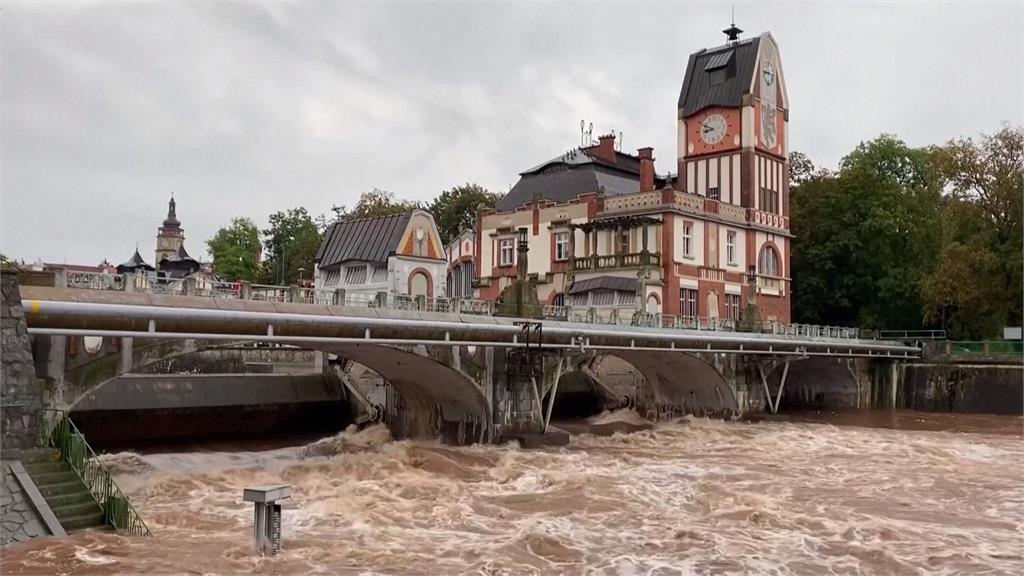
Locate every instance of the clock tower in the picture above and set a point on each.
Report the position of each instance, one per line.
(733, 117)
(170, 236)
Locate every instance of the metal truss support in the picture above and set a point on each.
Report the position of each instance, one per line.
(773, 406)
(604, 389)
(553, 390)
(853, 373)
(538, 406)
(372, 410)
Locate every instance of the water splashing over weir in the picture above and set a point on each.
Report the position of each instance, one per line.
(692, 496)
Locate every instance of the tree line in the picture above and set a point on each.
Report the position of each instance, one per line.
(896, 238)
(291, 240)
(910, 238)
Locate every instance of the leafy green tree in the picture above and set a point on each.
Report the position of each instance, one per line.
(963, 294)
(373, 204)
(977, 286)
(455, 210)
(801, 169)
(291, 243)
(236, 250)
(865, 238)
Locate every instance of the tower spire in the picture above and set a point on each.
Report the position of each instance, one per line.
(172, 217)
(732, 32)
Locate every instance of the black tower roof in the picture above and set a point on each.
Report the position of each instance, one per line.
(172, 218)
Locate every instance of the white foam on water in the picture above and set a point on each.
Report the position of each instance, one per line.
(692, 496)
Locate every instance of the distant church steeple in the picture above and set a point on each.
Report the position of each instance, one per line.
(170, 236)
(172, 218)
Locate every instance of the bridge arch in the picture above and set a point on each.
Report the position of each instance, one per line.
(438, 399)
(669, 385)
(681, 383)
(819, 383)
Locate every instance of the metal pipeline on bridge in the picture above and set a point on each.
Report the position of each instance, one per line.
(414, 327)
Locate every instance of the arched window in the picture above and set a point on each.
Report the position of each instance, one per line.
(418, 284)
(768, 265)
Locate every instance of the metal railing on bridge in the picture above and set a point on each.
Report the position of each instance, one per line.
(192, 286)
(912, 334)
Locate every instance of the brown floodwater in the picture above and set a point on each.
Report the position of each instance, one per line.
(904, 493)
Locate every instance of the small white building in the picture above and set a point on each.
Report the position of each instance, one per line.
(400, 255)
(461, 265)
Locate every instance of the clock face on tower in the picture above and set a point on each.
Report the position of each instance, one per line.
(712, 129)
(769, 74)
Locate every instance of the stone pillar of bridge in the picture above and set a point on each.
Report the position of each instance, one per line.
(19, 395)
(487, 383)
(457, 358)
(126, 362)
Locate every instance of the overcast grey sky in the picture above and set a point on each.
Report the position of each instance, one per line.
(243, 109)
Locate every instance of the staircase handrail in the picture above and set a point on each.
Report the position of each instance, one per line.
(58, 431)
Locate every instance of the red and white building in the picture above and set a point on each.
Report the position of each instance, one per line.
(606, 232)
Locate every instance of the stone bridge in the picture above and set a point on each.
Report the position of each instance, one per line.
(459, 376)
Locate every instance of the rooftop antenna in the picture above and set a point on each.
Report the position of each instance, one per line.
(620, 141)
(732, 32)
(583, 131)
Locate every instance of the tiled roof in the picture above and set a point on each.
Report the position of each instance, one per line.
(576, 172)
(366, 240)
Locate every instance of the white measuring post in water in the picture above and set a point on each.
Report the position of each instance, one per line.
(267, 516)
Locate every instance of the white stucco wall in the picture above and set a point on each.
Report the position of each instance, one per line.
(400, 267)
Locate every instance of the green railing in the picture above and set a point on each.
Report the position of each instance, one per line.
(984, 347)
(56, 430)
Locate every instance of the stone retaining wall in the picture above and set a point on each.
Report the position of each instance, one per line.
(19, 397)
(975, 388)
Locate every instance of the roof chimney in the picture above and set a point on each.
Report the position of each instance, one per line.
(605, 148)
(646, 168)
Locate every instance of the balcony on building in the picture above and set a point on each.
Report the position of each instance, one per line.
(617, 244)
(672, 200)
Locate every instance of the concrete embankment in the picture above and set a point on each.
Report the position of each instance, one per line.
(990, 388)
(144, 408)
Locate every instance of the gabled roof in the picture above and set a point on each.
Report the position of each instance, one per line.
(579, 171)
(366, 240)
(701, 89)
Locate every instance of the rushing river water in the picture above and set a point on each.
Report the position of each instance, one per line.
(689, 497)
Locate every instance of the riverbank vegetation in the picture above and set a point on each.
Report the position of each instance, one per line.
(906, 238)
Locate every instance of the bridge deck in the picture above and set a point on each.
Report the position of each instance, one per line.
(127, 314)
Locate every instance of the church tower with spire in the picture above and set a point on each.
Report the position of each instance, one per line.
(170, 236)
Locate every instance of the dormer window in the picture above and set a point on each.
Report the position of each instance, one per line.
(718, 67)
(719, 60)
